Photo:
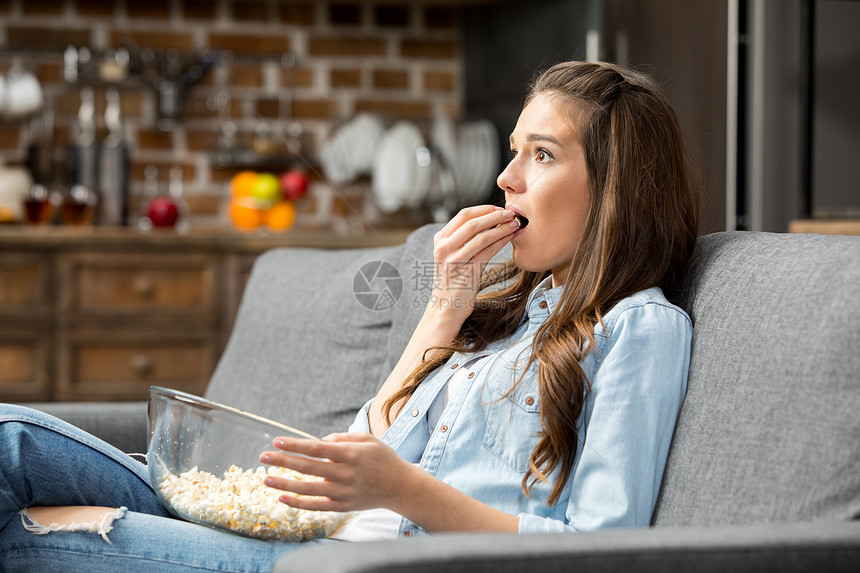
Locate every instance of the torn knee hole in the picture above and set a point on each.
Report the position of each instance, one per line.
(102, 520)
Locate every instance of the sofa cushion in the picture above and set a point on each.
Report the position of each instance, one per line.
(770, 428)
(304, 349)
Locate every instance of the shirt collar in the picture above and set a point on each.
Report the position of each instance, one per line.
(544, 292)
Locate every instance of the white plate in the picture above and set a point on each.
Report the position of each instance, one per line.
(335, 162)
(364, 134)
(394, 167)
(444, 137)
(421, 177)
(349, 152)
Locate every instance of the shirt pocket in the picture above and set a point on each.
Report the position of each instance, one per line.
(512, 419)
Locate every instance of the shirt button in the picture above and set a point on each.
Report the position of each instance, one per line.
(415, 413)
(454, 366)
(407, 534)
(444, 429)
(542, 304)
(530, 401)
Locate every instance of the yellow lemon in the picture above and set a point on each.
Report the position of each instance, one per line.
(266, 189)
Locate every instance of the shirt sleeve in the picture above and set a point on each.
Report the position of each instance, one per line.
(628, 419)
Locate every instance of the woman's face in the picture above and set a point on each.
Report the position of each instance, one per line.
(546, 181)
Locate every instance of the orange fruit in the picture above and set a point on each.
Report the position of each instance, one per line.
(281, 215)
(245, 214)
(242, 184)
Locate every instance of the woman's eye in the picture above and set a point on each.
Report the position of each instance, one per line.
(543, 155)
(513, 153)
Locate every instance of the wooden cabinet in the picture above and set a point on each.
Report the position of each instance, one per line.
(25, 365)
(132, 320)
(26, 334)
(122, 363)
(104, 314)
(141, 287)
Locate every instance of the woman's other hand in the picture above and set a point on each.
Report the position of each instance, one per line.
(358, 471)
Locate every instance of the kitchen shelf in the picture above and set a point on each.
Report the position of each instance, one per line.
(248, 159)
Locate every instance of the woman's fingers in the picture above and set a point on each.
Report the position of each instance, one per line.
(474, 235)
(493, 249)
(470, 222)
(301, 464)
(313, 488)
(482, 222)
(305, 458)
(314, 503)
(324, 458)
(464, 215)
(358, 472)
(327, 494)
(315, 495)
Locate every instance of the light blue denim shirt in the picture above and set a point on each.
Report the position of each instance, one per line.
(482, 443)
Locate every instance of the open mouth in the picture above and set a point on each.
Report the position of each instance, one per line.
(523, 220)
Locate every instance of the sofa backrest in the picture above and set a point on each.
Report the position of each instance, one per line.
(304, 350)
(769, 431)
(770, 428)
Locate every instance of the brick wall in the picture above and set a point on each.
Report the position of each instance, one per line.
(294, 65)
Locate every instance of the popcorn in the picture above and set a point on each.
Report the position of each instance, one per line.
(241, 502)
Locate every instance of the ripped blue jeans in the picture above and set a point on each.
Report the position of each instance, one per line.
(47, 462)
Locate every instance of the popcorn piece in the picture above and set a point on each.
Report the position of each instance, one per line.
(241, 502)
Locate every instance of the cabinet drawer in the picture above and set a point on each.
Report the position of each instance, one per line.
(122, 365)
(24, 286)
(24, 367)
(140, 285)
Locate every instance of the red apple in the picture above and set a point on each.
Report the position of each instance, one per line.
(163, 212)
(294, 183)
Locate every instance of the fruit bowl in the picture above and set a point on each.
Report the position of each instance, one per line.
(203, 461)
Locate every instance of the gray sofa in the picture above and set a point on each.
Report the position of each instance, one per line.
(764, 470)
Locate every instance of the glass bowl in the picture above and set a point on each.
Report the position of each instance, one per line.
(203, 461)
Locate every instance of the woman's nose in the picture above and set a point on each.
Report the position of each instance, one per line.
(508, 181)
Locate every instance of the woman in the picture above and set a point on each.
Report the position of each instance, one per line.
(544, 400)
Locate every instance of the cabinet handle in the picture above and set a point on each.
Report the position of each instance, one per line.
(144, 287)
(141, 364)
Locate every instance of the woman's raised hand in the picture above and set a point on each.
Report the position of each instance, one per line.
(461, 251)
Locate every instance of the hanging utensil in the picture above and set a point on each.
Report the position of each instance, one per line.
(114, 165)
(174, 80)
(83, 167)
(84, 156)
(40, 147)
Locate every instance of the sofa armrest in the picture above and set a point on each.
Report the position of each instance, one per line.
(791, 547)
(124, 425)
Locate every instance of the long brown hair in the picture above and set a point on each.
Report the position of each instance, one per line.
(640, 232)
